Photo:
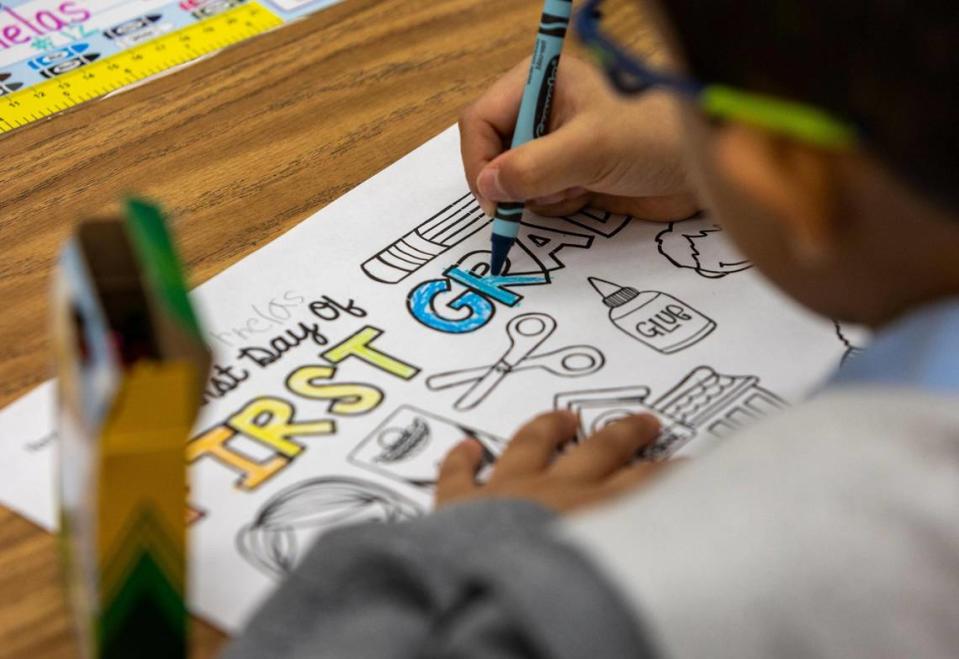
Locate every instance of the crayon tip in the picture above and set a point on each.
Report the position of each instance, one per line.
(498, 253)
(497, 261)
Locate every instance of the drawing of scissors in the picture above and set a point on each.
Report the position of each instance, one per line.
(526, 333)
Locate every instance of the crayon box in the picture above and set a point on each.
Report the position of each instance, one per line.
(132, 364)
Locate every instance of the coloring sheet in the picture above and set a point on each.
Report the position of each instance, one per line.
(355, 350)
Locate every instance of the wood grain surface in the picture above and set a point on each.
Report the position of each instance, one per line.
(239, 148)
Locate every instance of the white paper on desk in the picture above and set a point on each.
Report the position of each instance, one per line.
(716, 348)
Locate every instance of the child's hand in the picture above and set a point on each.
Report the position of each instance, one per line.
(603, 151)
(599, 468)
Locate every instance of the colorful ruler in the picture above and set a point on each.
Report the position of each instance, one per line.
(97, 78)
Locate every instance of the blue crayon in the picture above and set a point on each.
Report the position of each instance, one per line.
(533, 119)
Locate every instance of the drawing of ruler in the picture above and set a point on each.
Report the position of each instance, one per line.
(101, 77)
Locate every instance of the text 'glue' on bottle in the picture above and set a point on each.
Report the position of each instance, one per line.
(661, 321)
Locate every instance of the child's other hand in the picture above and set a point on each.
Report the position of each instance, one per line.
(602, 151)
(599, 468)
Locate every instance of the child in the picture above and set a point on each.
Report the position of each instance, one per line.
(830, 530)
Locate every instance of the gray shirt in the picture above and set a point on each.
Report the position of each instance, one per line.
(484, 579)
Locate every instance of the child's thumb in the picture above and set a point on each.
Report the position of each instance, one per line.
(543, 167)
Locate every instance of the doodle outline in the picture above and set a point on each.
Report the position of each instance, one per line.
(365, 454)
(702, 401)
(418, 247)
(654, 330)
(684, 231)
(270, 542)
(520, 355)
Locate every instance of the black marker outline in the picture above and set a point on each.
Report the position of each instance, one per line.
(465, 209)
(684, 230)
(492, 445)
(471, 377)
(269, 542)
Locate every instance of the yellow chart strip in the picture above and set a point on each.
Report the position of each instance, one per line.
(104, 76)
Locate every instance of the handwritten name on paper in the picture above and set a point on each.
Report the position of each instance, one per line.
(18, 26)
(271, 319)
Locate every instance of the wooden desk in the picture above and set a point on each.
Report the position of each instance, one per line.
(239, 148)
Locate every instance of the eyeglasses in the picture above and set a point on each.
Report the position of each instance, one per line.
(631, 75)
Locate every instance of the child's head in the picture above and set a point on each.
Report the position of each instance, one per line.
(862, 233)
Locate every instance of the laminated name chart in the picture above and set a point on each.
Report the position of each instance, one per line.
(354, 351)
(55, 54)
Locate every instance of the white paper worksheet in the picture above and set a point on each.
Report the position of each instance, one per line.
(355, 350)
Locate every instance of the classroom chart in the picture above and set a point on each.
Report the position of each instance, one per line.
(352, 352)
(55, 54)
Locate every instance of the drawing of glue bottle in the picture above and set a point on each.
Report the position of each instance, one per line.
(658, 320)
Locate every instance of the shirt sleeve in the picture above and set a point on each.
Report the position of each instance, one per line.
(476, 580)
(829, 531)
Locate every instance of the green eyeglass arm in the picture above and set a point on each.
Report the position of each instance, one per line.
(803, 122)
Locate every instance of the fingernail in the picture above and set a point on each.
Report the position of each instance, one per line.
(651, 421)
(571, 416)
(471, 443)
(489, 184)
(644, 419)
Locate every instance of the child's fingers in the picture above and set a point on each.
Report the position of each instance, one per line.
(609, 449)
(629, 477)
(563, 195)
(567, 158)
(457, 476)
(486, 125)
(665, 208)
(534, 445)
(571, 202)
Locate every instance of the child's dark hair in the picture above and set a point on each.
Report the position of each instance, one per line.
(889, 66)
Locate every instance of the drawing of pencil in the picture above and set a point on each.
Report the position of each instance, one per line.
(438, 234)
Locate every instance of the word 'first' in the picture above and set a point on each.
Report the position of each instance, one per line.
(269, 421)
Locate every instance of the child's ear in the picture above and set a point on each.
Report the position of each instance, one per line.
(796, 183)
